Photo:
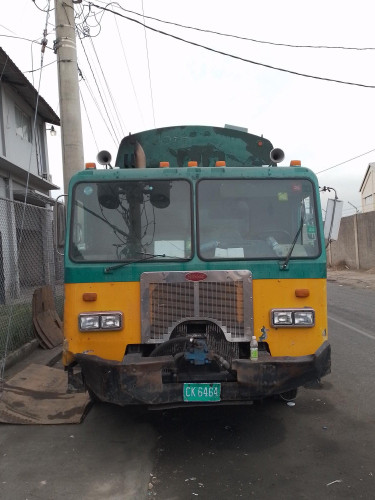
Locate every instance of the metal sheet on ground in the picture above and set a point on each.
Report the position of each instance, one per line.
(37, 395)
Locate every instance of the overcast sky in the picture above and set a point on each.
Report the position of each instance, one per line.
(155, 80)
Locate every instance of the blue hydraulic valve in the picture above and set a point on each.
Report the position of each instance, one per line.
(197, 351)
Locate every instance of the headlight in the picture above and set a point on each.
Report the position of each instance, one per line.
(89, 322)
(100, 321)
(292, 318)
(282, 318)
(110, 321)
(304, 318)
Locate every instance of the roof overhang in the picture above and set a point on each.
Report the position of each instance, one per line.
(14, 77)
(20, 174)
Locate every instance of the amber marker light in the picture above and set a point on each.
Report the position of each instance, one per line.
(89, 296)
(301, 292)
(220, 163)
(164, 164)
(192, 163)
(89, 166)
(295, 163)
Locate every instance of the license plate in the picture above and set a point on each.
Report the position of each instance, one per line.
(202, 392)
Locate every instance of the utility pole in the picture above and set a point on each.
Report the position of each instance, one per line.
(67, 68)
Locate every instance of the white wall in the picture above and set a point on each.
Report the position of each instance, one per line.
(19, 150)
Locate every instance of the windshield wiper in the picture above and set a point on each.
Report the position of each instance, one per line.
(289, 254)
(147, 256)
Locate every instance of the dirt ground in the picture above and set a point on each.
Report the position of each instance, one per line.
(357, 278)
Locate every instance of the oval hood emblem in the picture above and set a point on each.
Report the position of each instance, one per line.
(195, 276)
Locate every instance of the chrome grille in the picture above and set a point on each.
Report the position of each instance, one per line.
(224, 298)
(168, 304)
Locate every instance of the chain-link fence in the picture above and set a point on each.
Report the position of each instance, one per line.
(28, 260)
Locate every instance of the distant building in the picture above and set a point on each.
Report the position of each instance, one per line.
(367, 189)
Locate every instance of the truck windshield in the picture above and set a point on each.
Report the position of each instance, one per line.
(123, 221)
(257, 218)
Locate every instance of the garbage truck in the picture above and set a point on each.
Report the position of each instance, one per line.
(191, 245)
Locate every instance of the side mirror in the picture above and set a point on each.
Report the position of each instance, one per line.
(59, 217)
(333, 219)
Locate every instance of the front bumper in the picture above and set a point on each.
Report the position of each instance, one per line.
(139, 380)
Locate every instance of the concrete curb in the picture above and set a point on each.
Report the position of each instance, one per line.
(21, 353)
(31, 353)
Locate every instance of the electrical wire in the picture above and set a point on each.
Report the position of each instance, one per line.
(32, 41)
(38, 69)
(107, 87)
(22, 38)
(97, 106)
(129, 72)
(86, 23)
(99, 91)
(43, 10)
(228, 35)
(210, 49)
(149, 70)
(88, 119)
(346, 161)
(84, 30)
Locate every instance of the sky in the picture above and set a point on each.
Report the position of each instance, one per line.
(134, 79)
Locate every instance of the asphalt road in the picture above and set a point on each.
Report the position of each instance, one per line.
(323, 447)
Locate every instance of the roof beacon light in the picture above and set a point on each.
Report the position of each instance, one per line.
(89, 166)
(164, 164)
(192, 163)
(295, 163)
(220, 163)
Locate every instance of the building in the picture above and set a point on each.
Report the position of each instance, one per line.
(23, 144)
(367, 189)
(27, 256)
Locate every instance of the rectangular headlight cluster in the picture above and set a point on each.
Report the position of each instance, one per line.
(100, 321)
(292, 318)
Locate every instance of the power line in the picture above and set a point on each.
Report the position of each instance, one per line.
(238, 37)
(25, 39)
(195, 44)
(39, 69)
(99, 91)
(99, 109)
(149, 70)
(88, 119)
(108, 89)
(129, 72)
(43, 10)
(346, 161)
